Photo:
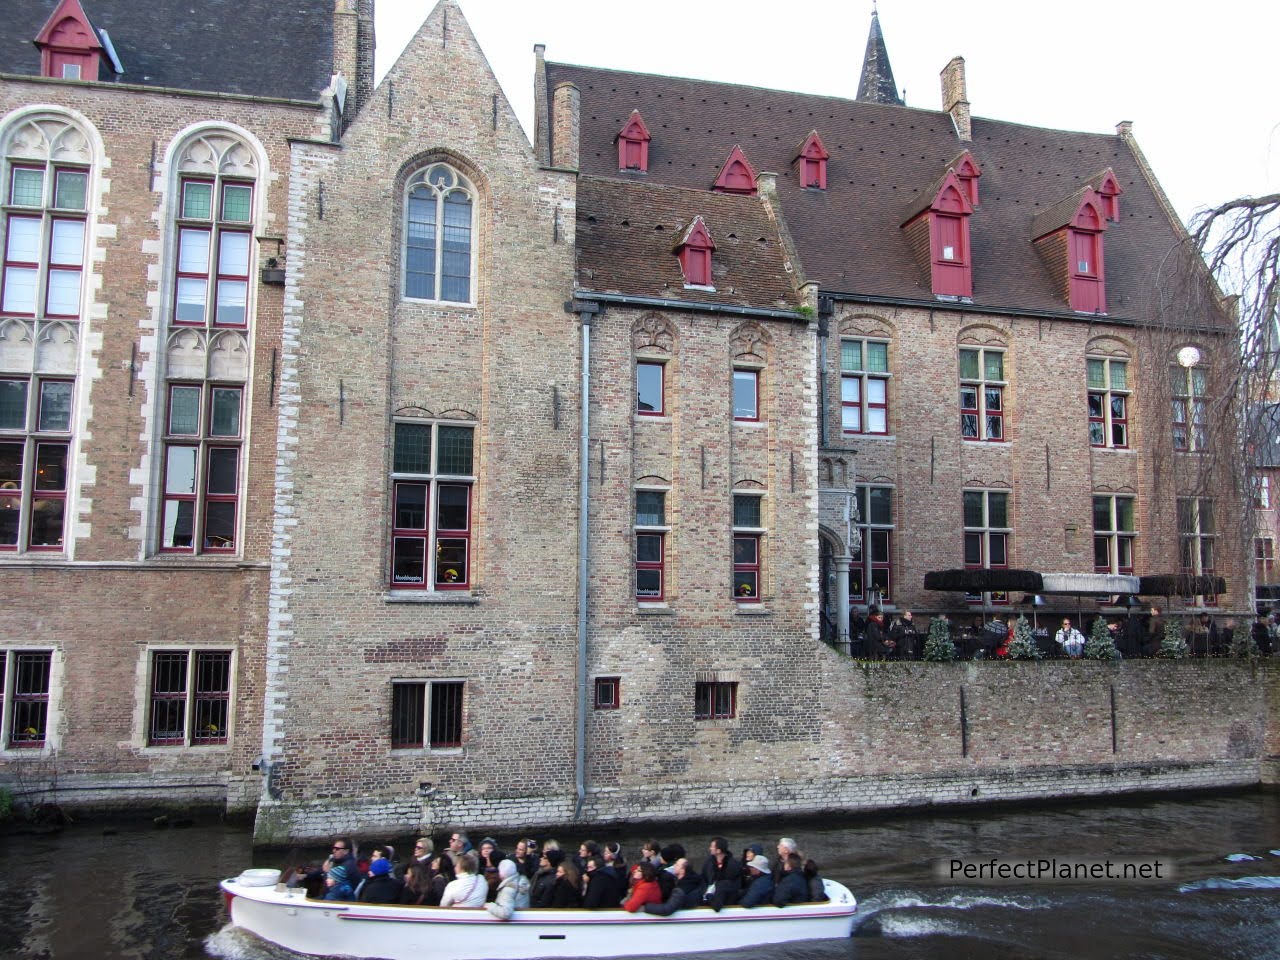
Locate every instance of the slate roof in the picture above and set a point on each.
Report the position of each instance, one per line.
(266, 48)
(628, 232)
(877, 84)
(883, 157)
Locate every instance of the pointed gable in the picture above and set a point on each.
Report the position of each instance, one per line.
(694, 251)
(633, 144)
(736, 175)
(811, 162)
(1108, 190)
(968, 172)
(876, 84)
(69, 46)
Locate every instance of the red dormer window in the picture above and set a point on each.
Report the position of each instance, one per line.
(1108, 190)
(968, 172)
(811, 163)
(737, 175)
(69, 46)
(1087, 286)
(633, 144)
(694, 252)
(947, 216)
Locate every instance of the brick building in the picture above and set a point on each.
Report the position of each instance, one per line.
(521, 477)
(145, 173)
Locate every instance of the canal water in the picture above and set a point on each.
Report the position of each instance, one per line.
(99, 891)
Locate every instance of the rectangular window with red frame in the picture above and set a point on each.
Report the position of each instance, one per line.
(650, 388)
(651, 532)
(1108, 385)
(214, 242)
(608, 693)
(201, 483)
(432, 482)
(1113, 534)
(1190, 407)
(748, 536)
(986, 537)
(871, 567)
(864, 386)
(190, 698)
(27, 696)
(35, 449)
(982, 384)
(44, 241)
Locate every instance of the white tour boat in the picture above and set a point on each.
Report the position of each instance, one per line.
(286, 917)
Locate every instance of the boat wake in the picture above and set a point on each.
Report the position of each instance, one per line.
(1237, 883)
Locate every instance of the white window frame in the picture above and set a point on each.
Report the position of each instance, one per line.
(420, 178)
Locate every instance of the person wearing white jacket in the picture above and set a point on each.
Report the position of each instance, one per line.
(1070, 639)
(513, 891)
(470, 889)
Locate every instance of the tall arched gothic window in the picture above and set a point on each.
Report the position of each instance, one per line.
(47, 171)
(208, 343)
(439, 236)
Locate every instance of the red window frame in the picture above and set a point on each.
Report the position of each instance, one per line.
(10, 264)
(197, 685)
(649, 566)
(1086, 283)
(715, 700)
(1264, 557)
(448, 576)
(979, 408)
(695, 261)
(661, 409)
(446, 714)
(754, 376)
(746, 567)
(217, 534)
(449, 566)
(608, 693)
(401, 533)
(986, 538)
(214, 227)
(633, 144)
(427, 714)
(35, 505)
(29, 701)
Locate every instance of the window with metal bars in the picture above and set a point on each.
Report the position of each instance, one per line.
(24, 678)
(716, 700)
(190, 698)
(426, 713)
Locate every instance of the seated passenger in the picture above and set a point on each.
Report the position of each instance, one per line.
(441, 876)
(544, 880)
(723, 874)
(603, 888)
(490, 855)
(685, 894)
(381, 886)
(761, 889)
(469, 889)
(567, 890)
(613, 859)
(337, 880)
(817, 889)
(513, 891)
(645, 890)
(417, 884)
(792, 887)
(526, 857)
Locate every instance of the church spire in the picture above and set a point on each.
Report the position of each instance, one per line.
(876, 85)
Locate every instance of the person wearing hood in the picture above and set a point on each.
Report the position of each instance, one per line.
(513, 891)
(490, 855)
(381, 886)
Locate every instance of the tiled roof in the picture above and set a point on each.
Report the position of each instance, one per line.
(281, 48)
(883, 157)
(628, 232)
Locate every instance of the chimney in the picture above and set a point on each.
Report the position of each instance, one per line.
(564, 131)
(353, 51)
(1124, 128)
(541, 135)
(955, 98)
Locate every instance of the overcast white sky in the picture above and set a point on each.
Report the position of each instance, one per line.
(1197, 79)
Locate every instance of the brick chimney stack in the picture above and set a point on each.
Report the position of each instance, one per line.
(565, 107)
(955, 97)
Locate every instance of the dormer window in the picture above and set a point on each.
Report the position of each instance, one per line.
(968, 172)
(633, 144)
(694, 252)
(811, 163)
(69, 46)
(946, 220)
(1084, 244)
(1108, 190)
(737, 175)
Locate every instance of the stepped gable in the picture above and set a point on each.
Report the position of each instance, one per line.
(882, 157)
(219, 46)
(628, 232)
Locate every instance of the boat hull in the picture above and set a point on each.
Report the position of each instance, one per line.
(389, 932)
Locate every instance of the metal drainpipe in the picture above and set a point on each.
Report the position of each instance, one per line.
(585, 311)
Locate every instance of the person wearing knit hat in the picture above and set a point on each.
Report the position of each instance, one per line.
(544, 879)
(513, 891)
(382, 886)
(338, 883)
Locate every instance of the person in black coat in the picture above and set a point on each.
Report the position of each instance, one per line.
(604, 888)
(544, 880)
(723, 872)
(791, 887)
(381, 886)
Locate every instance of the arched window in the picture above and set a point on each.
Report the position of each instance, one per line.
(45, 190)
(205, 398)
(438, 235)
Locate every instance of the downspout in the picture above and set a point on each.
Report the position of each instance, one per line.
(585, 311)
